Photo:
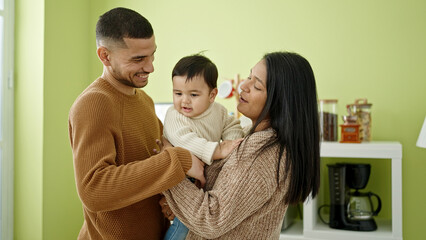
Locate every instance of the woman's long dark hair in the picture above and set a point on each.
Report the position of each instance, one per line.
(291, 105)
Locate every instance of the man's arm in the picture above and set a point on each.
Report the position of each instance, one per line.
(104, 184)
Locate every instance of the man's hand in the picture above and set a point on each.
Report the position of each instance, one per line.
(197, 170)
(225, 148)
(165, 208)
(162, 144)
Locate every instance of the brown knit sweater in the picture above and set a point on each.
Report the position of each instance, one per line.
(241, 199)
(118, 176)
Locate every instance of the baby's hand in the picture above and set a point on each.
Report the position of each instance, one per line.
(225, 148)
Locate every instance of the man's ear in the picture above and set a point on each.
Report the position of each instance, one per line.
(213, 95)
(104, 55)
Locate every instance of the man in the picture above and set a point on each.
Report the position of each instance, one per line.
(113, 130)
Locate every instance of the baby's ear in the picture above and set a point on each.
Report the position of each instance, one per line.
(213, 94)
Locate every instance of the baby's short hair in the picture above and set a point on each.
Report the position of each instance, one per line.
(197, 65)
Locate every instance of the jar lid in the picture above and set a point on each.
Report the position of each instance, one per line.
(349, 119)
(360, 102)
(359, 105)
(328, 100)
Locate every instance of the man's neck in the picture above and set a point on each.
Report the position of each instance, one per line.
(128, 90)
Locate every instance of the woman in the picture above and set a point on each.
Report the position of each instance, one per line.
(247, 193)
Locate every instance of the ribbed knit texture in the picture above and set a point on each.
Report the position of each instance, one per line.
(117, 174)
(241, 199)
(201, 134)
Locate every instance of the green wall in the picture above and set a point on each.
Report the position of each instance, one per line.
(29, 45)
(66, 72)
(52, 67)
(372, 49)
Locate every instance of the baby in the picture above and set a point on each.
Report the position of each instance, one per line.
(195, 121)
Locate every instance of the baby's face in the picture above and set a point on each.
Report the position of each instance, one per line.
(191, 98)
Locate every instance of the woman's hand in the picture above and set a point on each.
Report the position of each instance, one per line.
(225, 148)
(165, 209)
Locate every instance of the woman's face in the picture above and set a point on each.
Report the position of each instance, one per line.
(253, 92)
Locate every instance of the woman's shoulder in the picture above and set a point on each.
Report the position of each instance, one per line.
(259, 145)
(261, 137)
(254, 145)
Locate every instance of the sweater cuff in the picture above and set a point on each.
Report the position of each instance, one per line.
(209, 149)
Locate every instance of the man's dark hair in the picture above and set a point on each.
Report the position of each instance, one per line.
(197, 65)
(119, 23)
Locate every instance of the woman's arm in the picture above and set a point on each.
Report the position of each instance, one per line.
(242, 187)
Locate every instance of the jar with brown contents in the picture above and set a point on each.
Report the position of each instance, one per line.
(362, 110)
(328, 119)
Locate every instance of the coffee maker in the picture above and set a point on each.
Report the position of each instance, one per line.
(351, 210)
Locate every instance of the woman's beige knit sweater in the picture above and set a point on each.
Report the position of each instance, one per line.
(241, 199)
(118, 176)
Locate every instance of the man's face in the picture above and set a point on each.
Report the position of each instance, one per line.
(132, 65)
(191, 98)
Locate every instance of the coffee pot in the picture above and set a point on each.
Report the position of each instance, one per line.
(360, 206)
(351, 209)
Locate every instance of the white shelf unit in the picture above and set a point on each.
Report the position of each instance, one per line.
(312, 228)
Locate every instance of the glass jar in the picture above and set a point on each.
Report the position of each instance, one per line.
(328, 119)
(362, 110)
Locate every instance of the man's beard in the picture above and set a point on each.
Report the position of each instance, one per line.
(126, 82)
(121, 79)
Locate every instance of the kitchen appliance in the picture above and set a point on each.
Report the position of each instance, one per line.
(360, 206)
(350, 130)
(351, 210)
